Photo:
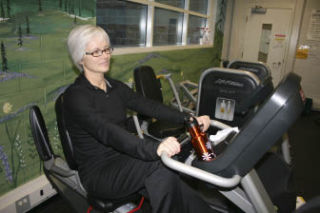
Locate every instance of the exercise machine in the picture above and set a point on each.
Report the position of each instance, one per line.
(63, 175)
(148, 85)
(232, 171)
(263, 72)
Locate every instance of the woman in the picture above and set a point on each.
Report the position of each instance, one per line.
(113, 163)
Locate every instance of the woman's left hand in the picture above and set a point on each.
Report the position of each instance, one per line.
(204, 122)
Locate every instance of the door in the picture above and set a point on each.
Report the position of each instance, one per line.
(266, 39)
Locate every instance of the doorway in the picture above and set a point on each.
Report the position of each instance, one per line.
(267, 38)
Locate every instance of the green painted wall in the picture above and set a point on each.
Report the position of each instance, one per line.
(35, 68)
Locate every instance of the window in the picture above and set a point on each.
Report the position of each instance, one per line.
(167, 28)
(175, 3)
(196, 30)
(200, 6)
(123, 21)
(155, 23)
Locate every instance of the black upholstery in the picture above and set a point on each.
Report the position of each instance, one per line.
(257, 68)
(147, 83)
(98, 203)
(57, 172)
(149, 86)
(39, 133)
(263, 130)
(64, 135)
(228, 84)
(262, 72)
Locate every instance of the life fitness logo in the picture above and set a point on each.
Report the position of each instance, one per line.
(228, 82)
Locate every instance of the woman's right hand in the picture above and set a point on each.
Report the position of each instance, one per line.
(169, 145)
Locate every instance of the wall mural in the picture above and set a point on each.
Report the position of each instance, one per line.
(35, 69)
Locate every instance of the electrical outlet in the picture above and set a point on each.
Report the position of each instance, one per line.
(23, 204)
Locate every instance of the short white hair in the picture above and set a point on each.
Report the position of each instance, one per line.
(78, 39)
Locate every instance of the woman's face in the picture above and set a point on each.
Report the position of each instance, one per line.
(99, 64)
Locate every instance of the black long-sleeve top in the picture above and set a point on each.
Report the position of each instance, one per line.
(96, 119)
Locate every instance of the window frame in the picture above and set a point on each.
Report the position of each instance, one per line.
(151, 4)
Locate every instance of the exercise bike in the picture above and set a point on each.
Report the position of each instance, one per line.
(232, 171)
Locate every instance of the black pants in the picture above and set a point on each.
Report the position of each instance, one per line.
(165, 190)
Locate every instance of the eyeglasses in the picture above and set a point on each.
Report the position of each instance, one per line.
(98, 53)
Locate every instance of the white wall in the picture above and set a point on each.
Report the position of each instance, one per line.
(233, 46)
(309, 68)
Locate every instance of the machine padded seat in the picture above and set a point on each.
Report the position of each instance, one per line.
(61, 177)
(40, 134)
(259, 69)
(97, 202)
(262, 71)
(242, 89)
(149, 86)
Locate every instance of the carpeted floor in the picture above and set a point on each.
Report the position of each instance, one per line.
(304, 138)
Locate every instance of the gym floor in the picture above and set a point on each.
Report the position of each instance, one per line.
(304, 138)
